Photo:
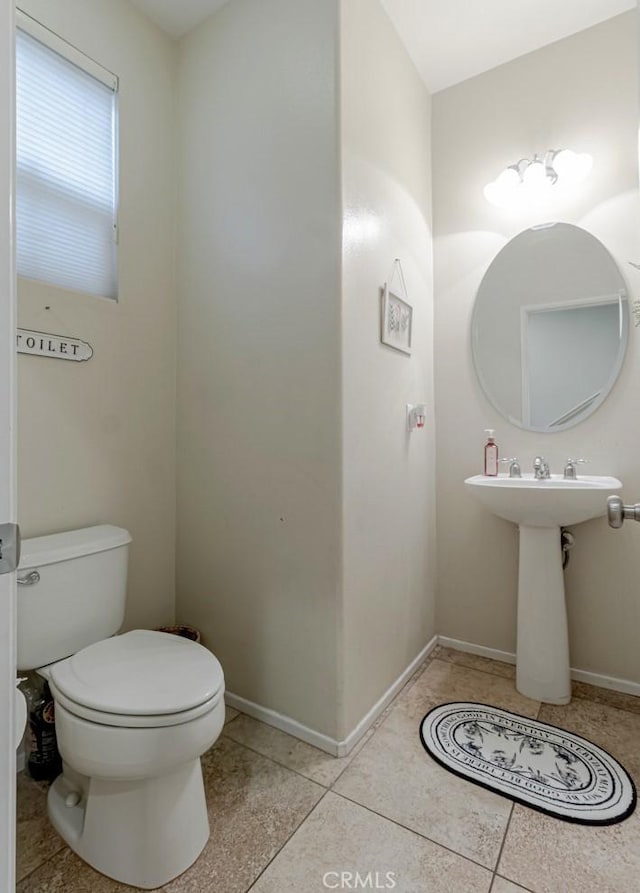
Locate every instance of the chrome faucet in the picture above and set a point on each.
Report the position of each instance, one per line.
(514, 467)
(541, 469)
(570, 471)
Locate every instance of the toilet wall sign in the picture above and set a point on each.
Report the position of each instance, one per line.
(59, 347)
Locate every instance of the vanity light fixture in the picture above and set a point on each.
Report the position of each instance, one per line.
(532, 179)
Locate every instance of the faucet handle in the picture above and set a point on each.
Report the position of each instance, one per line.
(514, 467)
(570, 468)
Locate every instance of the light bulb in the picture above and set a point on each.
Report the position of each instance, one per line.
(503, 190)
(508, 179)
(536, 184)
(535, 175)
(495, 196)
(571, 167)
(563, 162)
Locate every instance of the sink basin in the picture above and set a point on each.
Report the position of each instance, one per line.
(555, 502)
(540, 509)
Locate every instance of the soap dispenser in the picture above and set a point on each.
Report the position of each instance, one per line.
(490, 454)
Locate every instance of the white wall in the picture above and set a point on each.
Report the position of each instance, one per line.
(97, 439)
(259, 526)
(580, 93)
(8, 367)
(388, 474)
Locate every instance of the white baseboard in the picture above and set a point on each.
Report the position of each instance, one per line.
(624, 685)
(344, 747)
(282, 722)
(470, 648)
(610, 682)
(318, 739)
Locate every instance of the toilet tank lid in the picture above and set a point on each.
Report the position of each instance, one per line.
(42, 550)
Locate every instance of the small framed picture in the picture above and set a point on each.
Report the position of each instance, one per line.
(396, 320)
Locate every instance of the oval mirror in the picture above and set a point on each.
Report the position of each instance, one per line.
(549, 327)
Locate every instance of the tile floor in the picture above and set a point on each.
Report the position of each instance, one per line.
(285, 816)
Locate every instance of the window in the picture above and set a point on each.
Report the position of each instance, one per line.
(66, 185)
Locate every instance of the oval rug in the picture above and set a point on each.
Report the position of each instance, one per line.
(531, 762)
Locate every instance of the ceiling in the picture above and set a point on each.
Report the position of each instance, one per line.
(448, 40)
(452, 40)
(176, 17)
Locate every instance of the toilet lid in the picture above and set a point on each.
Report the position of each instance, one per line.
(140, 673)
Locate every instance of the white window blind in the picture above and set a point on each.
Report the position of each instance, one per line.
(66, 166)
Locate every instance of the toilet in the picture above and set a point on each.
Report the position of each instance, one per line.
(134, 712)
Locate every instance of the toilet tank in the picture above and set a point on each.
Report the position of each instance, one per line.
(72, 588)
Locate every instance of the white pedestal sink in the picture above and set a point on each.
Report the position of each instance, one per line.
(540, 508)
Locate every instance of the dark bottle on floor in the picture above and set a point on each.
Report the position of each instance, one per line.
(43, 759)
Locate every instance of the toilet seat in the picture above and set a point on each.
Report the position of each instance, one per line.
(142, 678)
(130, 720)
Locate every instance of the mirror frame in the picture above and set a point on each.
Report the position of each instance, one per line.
(615, 371)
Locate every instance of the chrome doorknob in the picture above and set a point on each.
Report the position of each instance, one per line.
(617, 512)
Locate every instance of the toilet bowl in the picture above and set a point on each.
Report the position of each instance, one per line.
(134, 713)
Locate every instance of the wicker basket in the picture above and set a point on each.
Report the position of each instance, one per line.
(187, 632)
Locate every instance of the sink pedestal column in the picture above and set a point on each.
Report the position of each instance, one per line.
(543, 640)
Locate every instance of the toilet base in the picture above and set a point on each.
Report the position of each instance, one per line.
(143, 832)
